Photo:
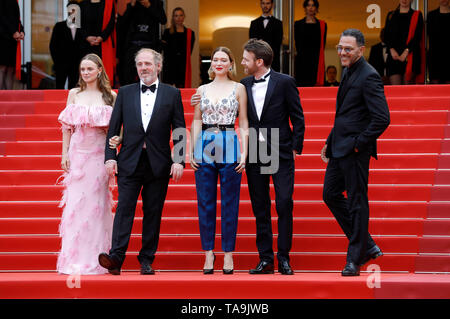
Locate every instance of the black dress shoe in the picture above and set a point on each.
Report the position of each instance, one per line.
(284, 268)
(146, 269)
(350, 269)
(372, 253)
(108, 262)
(211, 270)
(227, 271)
(263, 267)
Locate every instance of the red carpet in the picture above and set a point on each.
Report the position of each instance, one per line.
(409, 195)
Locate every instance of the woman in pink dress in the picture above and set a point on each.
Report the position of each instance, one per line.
(86, 222)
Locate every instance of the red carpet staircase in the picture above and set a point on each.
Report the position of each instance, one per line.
(409, 196)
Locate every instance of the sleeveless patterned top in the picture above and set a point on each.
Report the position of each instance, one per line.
(223, 112)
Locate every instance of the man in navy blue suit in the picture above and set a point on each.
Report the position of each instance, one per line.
(362, 115)
(273, 102)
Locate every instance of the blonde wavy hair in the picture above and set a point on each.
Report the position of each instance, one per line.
(102, 81)
(231, 73)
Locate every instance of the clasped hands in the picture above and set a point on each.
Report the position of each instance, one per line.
(398, 57)
(93, 40)
(18, 36)
(145, 3)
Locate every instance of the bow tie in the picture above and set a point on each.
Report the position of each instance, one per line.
(151, 88)
(263, 79)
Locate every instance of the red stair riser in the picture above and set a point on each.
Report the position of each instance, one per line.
(189, 209)
(184, 192)
(309, 147)
(189, 261)
(312, 132)
(246, 226)
(306, 161)
(300, 244)
(24, 177)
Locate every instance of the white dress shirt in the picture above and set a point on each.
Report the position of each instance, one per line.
(147, 103)
(259, 91)
(266, 21)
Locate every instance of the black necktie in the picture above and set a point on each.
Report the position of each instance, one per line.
(151, 88)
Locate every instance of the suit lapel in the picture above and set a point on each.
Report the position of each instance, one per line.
(343, 89)
(248, 85)
(137, 105)
(269, 92)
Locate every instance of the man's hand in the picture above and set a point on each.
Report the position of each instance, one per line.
(322, 154)
(111, 167)
(176, 171)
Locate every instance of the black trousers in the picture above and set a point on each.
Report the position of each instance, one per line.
(259, 189)
(350, 174)
(70, 72)
(154, 192)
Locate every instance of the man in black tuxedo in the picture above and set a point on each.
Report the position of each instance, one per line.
(273, 101)
(378, 56)
(64, 46)
(148, 112)
(362, 115)
(269, 29)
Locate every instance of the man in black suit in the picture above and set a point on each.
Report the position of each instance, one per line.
(269, 29)
(273, 101)
(378, 56)
(362, 115)
(65, 44)
(148, 111)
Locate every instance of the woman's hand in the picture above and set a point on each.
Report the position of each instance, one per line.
(65, 162)
(394, 54)
(404, 55)
(241, 166)
(192, 161)
(114, 142)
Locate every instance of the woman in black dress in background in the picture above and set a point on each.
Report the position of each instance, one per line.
(310, 38)
(11, 32)
(439, 45)
(403, 36)
(92, 21)
(177, 51)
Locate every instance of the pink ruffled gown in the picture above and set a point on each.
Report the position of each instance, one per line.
(86, 222)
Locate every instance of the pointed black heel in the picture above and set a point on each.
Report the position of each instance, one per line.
(210, 271)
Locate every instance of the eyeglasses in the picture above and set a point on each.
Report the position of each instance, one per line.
(339, 49)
